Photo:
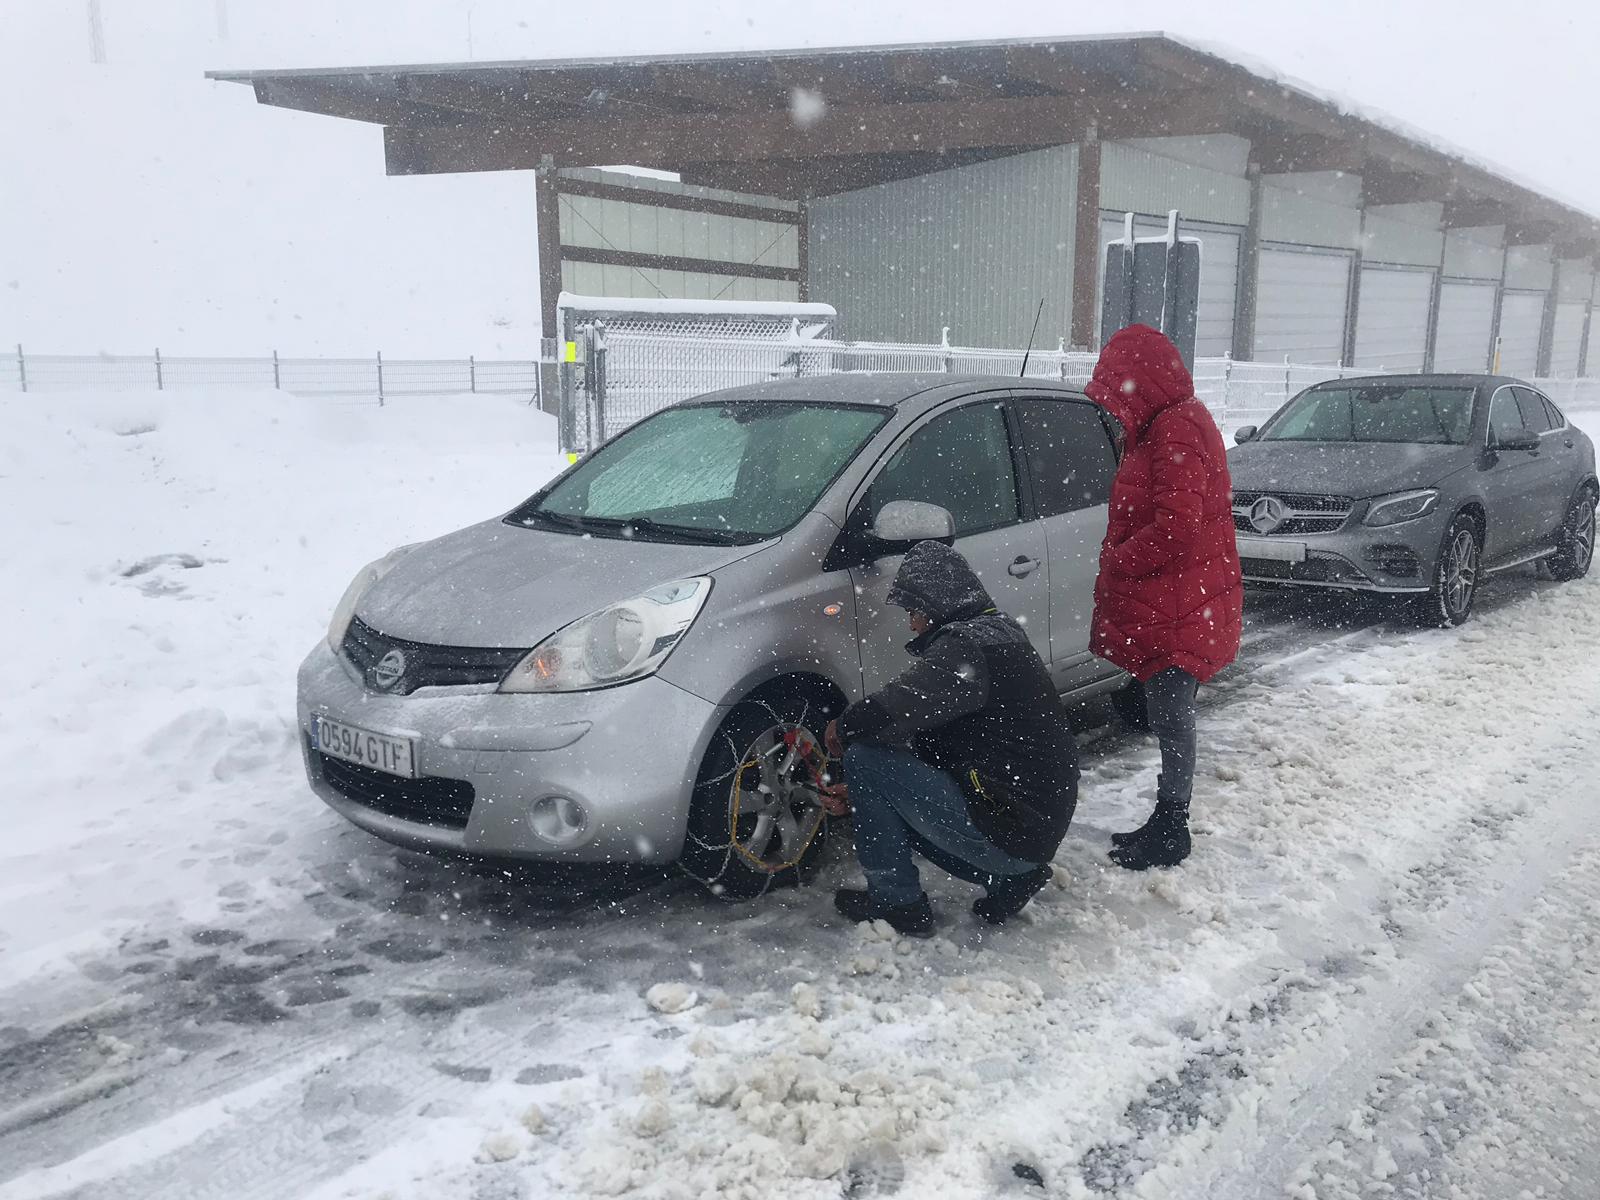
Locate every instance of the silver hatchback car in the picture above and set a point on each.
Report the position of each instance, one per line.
(635, 665)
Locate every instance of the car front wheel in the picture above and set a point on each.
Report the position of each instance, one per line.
(1575, 542)
(1455, 576)
(757, 820)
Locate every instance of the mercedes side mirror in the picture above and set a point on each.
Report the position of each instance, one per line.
(1522, 439)
(1246, 433)
(912, 521)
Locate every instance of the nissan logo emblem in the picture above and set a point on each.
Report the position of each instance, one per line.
(1268, 514)
(388, 670)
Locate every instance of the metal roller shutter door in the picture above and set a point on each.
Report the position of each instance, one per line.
(1219, 278)
(1567, 342)
(1466, 326)
(1301, 297)
(1591, 361)
(1392, 318)
(1521, 315)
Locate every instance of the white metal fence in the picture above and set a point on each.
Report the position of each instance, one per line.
(624, 376)
(356, 378)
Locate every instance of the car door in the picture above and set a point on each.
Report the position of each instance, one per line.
(1071, 460)
(1557, 478)
(1513, 482)
(962, 458)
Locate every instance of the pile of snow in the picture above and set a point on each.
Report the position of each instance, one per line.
(169, 559)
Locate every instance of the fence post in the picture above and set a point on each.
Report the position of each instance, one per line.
(380, 378)
(1227, 382)
(1286, 379)
(277, 379)
(1061, 349)
(159, 384)
(22, 368)
(944, 345)
(472, 372)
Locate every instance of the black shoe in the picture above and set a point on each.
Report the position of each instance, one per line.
(912, 920)
(1166, 845)
(1162, 813)
(1010, 895)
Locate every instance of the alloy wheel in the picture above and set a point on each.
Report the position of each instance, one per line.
(1461, 571)
(1583, 534)
(773, 804)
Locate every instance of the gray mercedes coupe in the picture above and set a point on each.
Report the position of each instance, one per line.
(1414, 485)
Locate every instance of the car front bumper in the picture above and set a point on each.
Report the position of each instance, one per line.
(1399, 559)
(627, 756)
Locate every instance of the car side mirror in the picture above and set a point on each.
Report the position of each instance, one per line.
(913, 521)
(1246, 433)
(1522, 439)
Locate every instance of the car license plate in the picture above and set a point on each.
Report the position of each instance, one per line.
(391, 755)
(1272, 549)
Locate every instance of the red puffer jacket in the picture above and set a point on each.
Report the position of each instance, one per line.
(1169, 592)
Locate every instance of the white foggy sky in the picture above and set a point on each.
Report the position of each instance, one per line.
(140, 205)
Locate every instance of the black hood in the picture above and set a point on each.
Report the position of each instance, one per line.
(935, 580)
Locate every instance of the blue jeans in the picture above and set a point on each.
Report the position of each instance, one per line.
(901, 805)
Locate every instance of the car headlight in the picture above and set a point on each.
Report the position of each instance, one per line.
(618, 644)
(339, 625)
(1407, 506)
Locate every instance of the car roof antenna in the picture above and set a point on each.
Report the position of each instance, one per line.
(1039, 312)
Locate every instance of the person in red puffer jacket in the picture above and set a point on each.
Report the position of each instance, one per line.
(1167, 604)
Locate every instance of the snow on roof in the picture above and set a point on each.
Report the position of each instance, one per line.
(736, 308)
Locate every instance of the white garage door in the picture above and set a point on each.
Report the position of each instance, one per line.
(1567, 340)
(1591, 361)
(1466, 326)
(1521, 315)
(1300, 305)
(1392, 318)
(1219, 277)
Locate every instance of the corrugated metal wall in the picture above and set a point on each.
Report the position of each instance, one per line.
(1203, 178)
(974, 248)
(1392, 316)
(1566, 344)
(1319, 208)
(1403, 233)
(1529, 268)
(610, 224)
(1475, 253)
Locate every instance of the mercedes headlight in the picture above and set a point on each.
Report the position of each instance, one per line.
(365, 578)
(1407, 506)
(618, 644)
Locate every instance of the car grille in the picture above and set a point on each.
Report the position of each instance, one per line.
(1307, 513)
(429, 800)
(425, 665)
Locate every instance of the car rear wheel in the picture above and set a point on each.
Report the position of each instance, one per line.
(1455, 576)
(757, 821)
(1575, 541)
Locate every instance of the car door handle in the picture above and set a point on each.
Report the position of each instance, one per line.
(1023, 566)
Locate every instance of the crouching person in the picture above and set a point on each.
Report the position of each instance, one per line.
(987, 786)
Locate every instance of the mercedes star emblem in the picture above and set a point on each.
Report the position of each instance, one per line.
(1268, 514)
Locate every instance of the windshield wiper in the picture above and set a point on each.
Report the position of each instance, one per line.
(686, 533)
(535, 516)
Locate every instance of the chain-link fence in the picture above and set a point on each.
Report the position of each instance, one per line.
(624, 375)
(374, 378)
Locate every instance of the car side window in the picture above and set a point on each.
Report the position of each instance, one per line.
(960, 461)
(1069, 455)
(1558, 419)
(1534, 416)
(1505, 417)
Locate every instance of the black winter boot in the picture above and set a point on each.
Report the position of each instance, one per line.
(1009, 894)
(912, 920)
(1160, 816)
(1164, 841)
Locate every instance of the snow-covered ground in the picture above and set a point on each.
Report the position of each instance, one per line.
(1376, 977)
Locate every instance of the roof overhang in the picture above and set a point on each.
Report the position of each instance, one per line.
(811, 122)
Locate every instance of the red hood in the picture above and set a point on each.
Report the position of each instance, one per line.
(1140, 372)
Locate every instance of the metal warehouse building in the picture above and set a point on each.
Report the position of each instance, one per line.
(954, 185)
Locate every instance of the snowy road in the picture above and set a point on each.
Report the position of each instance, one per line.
(1375, 977)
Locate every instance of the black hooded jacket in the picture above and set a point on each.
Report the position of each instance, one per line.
(978, 702)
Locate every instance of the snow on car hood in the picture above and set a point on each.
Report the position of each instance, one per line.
(1355, 469)
(495, 584)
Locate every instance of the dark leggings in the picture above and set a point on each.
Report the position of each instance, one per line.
(1169, 699)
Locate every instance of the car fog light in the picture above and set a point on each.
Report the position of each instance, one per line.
(559, 820)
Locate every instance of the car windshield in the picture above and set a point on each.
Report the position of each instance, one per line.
(732, 473)
(1376, 413)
